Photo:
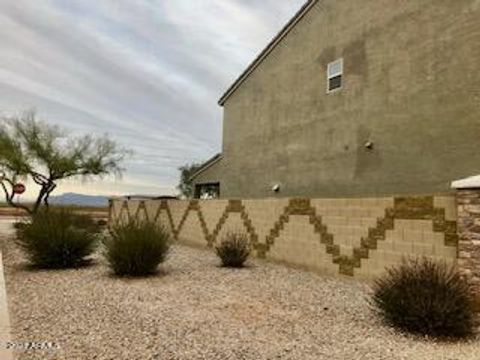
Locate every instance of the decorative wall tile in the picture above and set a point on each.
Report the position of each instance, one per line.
(354, 237)
(153, 208)
(192, 232)
(212, 211)
(234, 223)
(178, 209)
(133, 206)
(263, 214)
(298, 244)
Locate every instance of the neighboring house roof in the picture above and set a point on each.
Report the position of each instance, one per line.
(207, 164)
(273, 43)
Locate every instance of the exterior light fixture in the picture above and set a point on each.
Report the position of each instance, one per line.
(369, 145)
(276, 188)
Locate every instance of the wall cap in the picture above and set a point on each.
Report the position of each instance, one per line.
(471, 182)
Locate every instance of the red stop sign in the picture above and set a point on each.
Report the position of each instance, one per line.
(19, 188)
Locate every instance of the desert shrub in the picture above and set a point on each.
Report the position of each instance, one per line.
(233, 250)
(57, 238)
(425, 297)
(18, 225)
(136, 248)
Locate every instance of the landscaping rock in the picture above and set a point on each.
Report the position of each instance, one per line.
(193, 309)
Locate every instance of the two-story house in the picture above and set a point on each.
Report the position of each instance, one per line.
(355, 98)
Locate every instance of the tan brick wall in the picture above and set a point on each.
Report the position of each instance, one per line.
(298, 245)
(212, 211)
(353, 237)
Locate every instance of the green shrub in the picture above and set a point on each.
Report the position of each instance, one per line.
(234, 250)
(18, 225)
(136, 248)
(57, 238)
(427, 298)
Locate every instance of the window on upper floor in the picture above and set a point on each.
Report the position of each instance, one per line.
(334, 75)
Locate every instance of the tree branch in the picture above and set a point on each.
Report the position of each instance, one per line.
(49, 191)
(39, 179)
(38, 202)
(5, 190)
(32, 148)
(9, 198)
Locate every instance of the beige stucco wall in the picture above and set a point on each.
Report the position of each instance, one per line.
(411, 85)
(215, 173)
(351, 237)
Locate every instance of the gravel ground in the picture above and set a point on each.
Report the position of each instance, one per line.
(195, 310)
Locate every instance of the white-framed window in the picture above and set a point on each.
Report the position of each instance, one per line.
(335, 76)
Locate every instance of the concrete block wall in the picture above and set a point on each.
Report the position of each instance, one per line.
(352, 237)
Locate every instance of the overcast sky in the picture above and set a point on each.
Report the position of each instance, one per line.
(147, 72)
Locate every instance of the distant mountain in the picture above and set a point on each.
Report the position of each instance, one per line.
(79, 200)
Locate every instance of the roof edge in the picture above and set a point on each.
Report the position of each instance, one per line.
(472, 182)
(267, 50)
(209, 163)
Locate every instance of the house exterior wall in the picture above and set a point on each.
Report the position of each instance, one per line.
(215, 173)
(411, 86)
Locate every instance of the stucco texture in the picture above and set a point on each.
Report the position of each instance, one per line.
(411, 86)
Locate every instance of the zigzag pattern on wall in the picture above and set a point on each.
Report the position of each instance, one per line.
(405, 208)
